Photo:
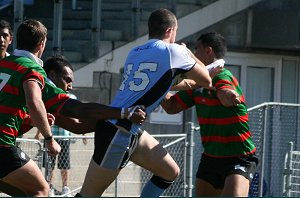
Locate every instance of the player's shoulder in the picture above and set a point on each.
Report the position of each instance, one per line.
(72, 96)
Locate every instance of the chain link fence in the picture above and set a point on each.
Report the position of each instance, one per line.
(131, 179)
(273, 126)
(291, 177)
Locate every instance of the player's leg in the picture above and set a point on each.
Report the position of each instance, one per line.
(209, 179)
(205, 189)
(97, 179)
(28, 179)
(17, 169)
(236, 186)
(237, 182)
(111, 146)
(151, 155)
(11, 190)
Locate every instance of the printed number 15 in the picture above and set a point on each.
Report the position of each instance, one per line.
(140, 75)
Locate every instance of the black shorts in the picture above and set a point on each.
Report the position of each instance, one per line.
(63, 161)
(215, 170)
(12, 158)
(113, 147)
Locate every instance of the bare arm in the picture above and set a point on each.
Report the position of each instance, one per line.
(228, 97)
(170, 105)
(37, 111)
(95, 111)
(185, 84)
(75, 125)
(38, 114)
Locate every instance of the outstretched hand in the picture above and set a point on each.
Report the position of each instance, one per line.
(228, 97)
(137, 114)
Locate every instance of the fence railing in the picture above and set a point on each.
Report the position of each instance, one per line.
(291, 176)
(132, 178)
(273, 126)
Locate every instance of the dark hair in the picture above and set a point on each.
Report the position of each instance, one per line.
(216, 41)
(4, 24)
(56, 63)
(159, 21)
(30, 33)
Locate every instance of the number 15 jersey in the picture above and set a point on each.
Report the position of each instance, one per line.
(149, 71)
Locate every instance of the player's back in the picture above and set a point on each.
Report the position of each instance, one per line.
(147, 75)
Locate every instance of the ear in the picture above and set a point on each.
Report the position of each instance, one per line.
(43, 43)
(168, 32)
(11, 39)
(209, 50)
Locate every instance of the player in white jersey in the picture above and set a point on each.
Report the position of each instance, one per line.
(149, 72)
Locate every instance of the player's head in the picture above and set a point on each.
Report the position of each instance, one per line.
(210, 46)
(32, 37)
(60, 72)
(162, 24)
(6, 37)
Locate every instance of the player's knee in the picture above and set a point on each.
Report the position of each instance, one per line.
(171, 173)
(174, 173)
(42, 191)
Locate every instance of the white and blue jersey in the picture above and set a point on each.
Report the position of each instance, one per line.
(149, 71)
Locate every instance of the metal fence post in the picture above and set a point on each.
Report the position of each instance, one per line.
(189, 159)
(262, 152)
(288, 172)
(96, 28)
(57, 27)
(136, 12)
(18, 18)
(45, 163)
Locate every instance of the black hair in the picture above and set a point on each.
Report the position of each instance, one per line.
(159, 21)
(56, 63)
(216, 41)
(6, 24)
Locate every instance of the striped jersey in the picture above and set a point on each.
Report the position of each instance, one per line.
(58, 131)
(149, 71)
(224, 130)
(14, 70)
(53, 98)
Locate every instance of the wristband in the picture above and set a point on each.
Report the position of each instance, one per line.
(49, 139)
(123, 113)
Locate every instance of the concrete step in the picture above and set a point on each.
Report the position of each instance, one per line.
(80, 4)
(72, 56)
(115, 6)
(77, 14)
(111, 14)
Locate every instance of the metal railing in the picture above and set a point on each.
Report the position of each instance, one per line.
(132, 178)
(291, 176)
(273, 126)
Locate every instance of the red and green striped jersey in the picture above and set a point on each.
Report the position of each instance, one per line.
(14, 70)
(53, 98)
(224, 130)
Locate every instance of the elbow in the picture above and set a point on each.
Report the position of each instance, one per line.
(208, 82)
(205, 82)
(170, 110)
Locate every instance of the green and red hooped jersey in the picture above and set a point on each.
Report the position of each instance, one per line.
(224, 130)
(14, 70)
(53, 98)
